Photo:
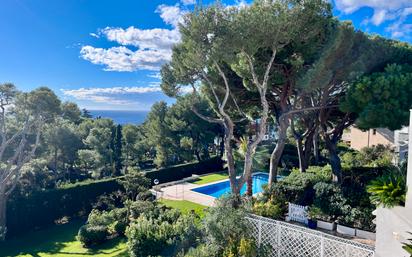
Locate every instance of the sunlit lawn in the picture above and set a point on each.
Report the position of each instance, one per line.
(210, 178)
(59, 241)
(185, 206)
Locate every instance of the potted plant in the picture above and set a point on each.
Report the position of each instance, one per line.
(344, 226)
(364, 223)
(324, 221)
(313, 213)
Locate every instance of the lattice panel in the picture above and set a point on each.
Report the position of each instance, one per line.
(288, 240)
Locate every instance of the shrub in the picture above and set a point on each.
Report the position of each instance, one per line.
(388, 190)
(164, 230)
(134, 183)
(115, 221)
(137, 208)
(203, 250)
(118, 228)
(297, 187)
(226, 228)
(268, 209)
(92, 235)
(330, 200)
(147, 237)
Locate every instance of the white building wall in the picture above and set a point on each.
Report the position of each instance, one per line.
(393, 225)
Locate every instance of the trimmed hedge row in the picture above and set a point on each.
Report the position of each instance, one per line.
(43, 208)
(182, 171)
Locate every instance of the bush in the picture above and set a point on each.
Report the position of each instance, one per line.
(226, 228)
(269, 210)
(297, 188)
(203, 250)
(148, 237)
(154, 233)
(137, 208)
(115, 221)
(388, 190)
(92, 235)
(330, 200)
(185, 170)
(43, 208)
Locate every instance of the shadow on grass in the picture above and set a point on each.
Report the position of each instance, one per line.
(58, 240)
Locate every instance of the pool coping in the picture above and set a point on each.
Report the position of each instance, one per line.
(216, 182)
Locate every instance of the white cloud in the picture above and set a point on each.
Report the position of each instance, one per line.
(155, 75)
(172, 15)
(143, 38)
(188, 2)
(383, 10)
(110, 96)
(154, 45)
(123, 59)
(94, 35)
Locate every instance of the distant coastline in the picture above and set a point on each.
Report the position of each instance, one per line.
(121, 117)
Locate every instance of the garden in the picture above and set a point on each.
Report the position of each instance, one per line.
(267, 88)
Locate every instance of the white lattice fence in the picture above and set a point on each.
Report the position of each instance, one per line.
(287, 240)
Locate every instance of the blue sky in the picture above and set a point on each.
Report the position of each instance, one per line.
(106, 54)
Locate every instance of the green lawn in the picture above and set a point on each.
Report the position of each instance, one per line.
(210, 178)
(185, 206)
(59, 241)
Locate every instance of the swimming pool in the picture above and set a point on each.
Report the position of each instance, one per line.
(222, 188)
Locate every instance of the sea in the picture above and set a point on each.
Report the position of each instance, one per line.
(121, 117)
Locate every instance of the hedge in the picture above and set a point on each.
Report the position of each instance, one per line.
(43, 208)
(182, 171)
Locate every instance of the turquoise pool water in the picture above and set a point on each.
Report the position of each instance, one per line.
(222, 188)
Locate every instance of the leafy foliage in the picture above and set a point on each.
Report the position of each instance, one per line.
(408, 246)
(382, 99)
(388, 190)
(92, 235)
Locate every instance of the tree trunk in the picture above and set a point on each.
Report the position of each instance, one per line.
(277, 152)
(300, 155)
(334, 160)
(222, 147)
(307, 151)
(197, 155)
(316, 147)
(3, 220)
(249, 191)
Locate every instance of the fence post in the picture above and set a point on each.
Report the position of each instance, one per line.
(259, 232)
(278, 238)
(322, 246)
(346, 250)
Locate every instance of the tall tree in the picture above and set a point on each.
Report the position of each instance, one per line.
(217, 41)
(22, 118)
(349, 55)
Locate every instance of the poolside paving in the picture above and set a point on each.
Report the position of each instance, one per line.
(182, 191)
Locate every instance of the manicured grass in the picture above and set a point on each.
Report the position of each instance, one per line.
(185, 206)
(210, 178)
(59, 241)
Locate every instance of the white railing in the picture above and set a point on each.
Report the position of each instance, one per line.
(288, 240)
